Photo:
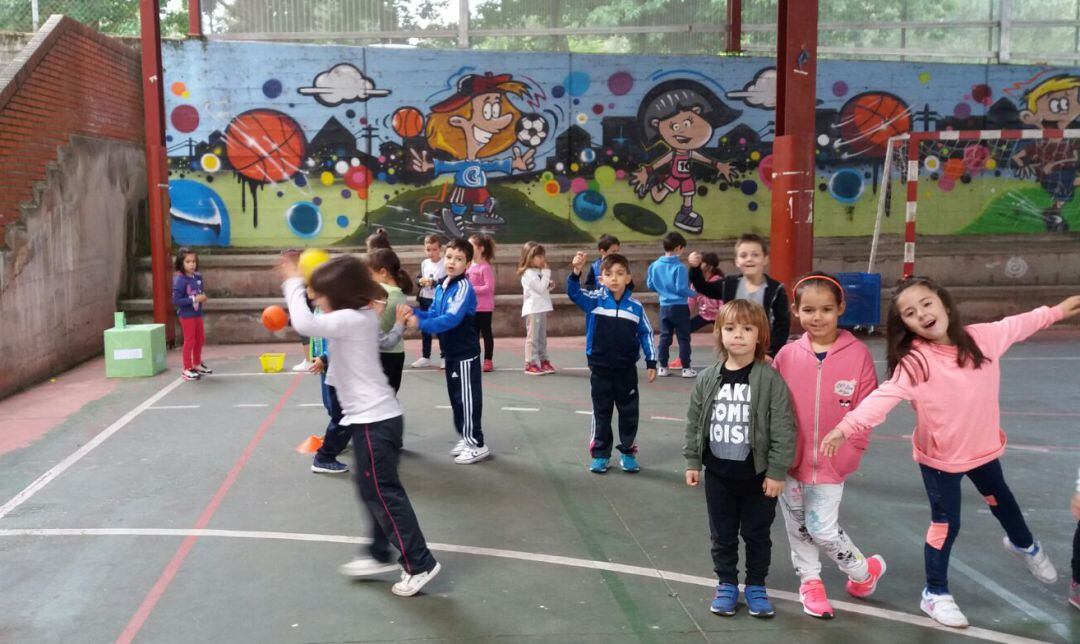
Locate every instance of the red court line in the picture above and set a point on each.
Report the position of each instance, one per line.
(171, 568)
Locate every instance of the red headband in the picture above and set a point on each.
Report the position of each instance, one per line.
(820, 277)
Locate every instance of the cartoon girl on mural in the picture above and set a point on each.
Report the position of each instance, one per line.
(682, 114)
(473, 125)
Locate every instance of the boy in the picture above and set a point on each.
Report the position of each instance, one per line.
(615, 324)
(432, 271)
(754, 284)
(452, 317)
(668, 277)
(606, 244)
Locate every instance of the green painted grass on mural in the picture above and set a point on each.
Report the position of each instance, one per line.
(1020, 211)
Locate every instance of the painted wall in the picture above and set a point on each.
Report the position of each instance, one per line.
(294, 145)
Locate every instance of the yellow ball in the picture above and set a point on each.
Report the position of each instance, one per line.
(311, 259)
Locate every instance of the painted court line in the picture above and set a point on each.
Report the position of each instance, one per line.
(583, 412)
(521, 409)
(251, 405)
(310, 405)
(573, 562)
(174, 407)
(62, 466)
(674, 420)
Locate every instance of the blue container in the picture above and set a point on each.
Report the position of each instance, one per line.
(863, 293)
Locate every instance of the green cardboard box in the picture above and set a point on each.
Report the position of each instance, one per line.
(134, 351)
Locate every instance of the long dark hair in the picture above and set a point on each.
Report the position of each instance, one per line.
(181, 253)
(378, 239)
(486, 244)
(346, 282)
(899, 337)
(386, 259)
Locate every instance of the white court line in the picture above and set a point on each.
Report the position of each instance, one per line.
(251, 405)
(310, 405)
(573, 562)
(59, 468)
(583, 412)
(174, 407)
(443, 407)
(521, 409)
(677, 420)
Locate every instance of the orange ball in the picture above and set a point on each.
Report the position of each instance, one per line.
(274, 318)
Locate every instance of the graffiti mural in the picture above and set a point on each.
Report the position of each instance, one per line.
(291, 145)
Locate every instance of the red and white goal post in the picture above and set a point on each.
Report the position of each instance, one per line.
(907, 154)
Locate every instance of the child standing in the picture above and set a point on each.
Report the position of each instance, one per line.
(668, 277)
(828, 372)
(344, 290)
(386, 269)
(188, 296)
(951, 374)
(706, 306)
(482, 278)
(432, 271)
(452, 317)
(615, 325)
(536, 304)
(606, 244)
(740, 428)
(754, 284)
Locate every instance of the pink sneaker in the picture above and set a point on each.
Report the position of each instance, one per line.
(814, 601)
(488, 366)
(876, 566)
(675, 364)
(547, 367)
(533, 370)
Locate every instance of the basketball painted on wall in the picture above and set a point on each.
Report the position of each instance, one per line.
(869, 119)
(265, 145)
(408, 122)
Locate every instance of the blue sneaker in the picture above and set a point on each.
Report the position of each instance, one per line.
(329, 467)
(757, 601)
(629, 463)
(726, 601)
(599, 465)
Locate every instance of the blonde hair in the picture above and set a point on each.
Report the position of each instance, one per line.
(441, 135)
(529, 252)
(743, 312)
(1057, 83)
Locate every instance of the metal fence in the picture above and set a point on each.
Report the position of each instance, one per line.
(942, 30)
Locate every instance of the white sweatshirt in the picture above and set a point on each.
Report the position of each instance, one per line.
(435, 271)
(534, 283)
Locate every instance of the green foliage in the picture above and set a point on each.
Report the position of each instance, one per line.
(113, 17)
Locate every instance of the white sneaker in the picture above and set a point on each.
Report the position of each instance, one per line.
(472, 455)
(411, 584)
(306, 365)
(689, 373)
(366, 566)
(421, 363)
(661, 372)
(442, 364)
(1037, 561)
(943, 610)
(458, 448)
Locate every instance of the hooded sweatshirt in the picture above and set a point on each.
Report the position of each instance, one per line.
(957, 417)
(185, 288)
(668, 277)
(822, 391)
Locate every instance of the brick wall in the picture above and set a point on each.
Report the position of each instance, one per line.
(69, 80)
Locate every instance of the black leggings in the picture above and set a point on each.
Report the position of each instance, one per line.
(483, 325)
(392, 365)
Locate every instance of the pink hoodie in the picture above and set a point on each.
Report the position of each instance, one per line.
(482, 278)
(821, 393)
(957, 419)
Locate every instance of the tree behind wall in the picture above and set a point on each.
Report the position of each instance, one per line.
(112, 17)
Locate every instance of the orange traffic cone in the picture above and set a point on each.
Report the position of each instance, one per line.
(310, 445)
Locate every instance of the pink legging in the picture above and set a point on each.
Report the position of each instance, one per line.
(194, 337)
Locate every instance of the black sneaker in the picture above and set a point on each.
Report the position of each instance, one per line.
(203, 369)
(452, 224)
(190, 374)
(329, 467)
(689, 221)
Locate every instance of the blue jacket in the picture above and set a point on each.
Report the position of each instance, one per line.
(184, 289)
(452, 317)
(613, 328)
(670, 279)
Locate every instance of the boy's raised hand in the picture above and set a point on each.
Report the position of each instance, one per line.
(693, 477)
(772, 487)
(578, 263)
(694, 259)
(1070, 305)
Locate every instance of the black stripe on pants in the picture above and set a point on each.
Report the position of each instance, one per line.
(466, 398)
(483, 327)
(616, 388)
(378, 447)
(737, 507)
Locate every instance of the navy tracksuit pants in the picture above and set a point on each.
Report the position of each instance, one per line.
(466, 398)
(336, 437)
(613, 388)
(675, 320)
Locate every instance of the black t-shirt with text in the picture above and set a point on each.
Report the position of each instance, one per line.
(729, 452)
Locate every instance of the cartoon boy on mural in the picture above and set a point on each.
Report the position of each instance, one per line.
(681, 114)
(1053, 105)
(473, 125)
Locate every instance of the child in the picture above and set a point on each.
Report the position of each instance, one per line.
(482, 278)
(378, 239)
(706, 306)
(751, 258)
(739, 426)
(386, 269)
(1074, 587)
(536, 304)
(952, 375)
(828, 372)
(452, 317)
(188, 297)
(432, 271)
(344, 290)
(606, 244)
(668, 277)
(615, 324)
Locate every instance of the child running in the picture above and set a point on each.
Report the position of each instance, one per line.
(432, 271)
(344, 290)
(706, 306)
(740, 428)
(828, 372)
(536, 304)
(386, 269)
(482, 278)
(951, 374)
(188, 296)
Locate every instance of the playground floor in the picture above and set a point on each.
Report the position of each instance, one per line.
(157, 510)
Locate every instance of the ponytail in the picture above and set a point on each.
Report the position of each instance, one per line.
(386, 259)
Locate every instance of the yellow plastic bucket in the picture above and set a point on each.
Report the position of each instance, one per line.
(272, 362)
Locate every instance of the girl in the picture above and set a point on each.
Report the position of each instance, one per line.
(739, 426)
(536, 284)
(188, 296)
(344, 291)
(707, 306)
(952, 375)
(386, 269)
(482, 278)
(828, 371)
(378, 239)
